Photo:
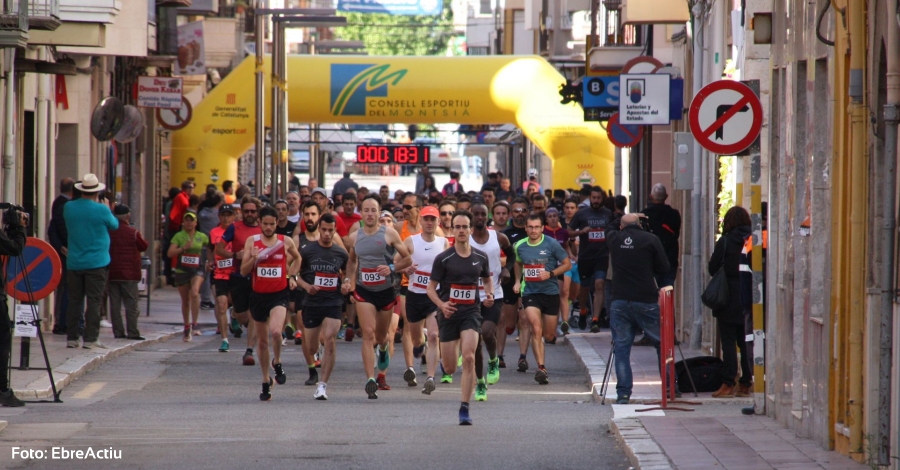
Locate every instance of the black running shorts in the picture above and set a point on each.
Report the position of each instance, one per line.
(418, 307)
(240, 289)
(492, 313)
(221, 286)
(314, 316)
(450, 328)
(548, 304)
(261, 305)
(383, 300)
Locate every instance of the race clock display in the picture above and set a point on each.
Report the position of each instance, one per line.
(400, 154)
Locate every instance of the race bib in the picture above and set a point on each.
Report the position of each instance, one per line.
(325, 281)
(190, 261)
(269, 272)
(420, 279)
(225, 263)
(597, 235)
(462, 294)
(481, 282)
(371, 277)
(533, 272)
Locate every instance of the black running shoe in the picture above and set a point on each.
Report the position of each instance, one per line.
(266, 394)
(582, 322)
(564, 327)
(313, 377)
(595, 326)
(372, 389)
(542, 377)
(523, 365)
(279, 373)
(502, 363)
(410, 377)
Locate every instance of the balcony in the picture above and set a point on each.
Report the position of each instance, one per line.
(89, 11)
(42, 14)
(13, 24)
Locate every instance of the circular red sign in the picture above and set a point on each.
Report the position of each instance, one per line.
(715, 105)
(43, 268)
(623, 135)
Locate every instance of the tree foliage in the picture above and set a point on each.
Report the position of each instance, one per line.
(393, 35)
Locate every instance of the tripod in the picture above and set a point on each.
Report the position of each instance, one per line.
(35, 321)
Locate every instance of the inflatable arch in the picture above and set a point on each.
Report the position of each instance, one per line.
(522, 90)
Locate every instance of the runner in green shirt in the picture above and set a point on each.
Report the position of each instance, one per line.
(187, 250)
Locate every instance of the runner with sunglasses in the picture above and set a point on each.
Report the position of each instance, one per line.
(509, 316)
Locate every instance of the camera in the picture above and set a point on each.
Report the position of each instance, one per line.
(13, 214)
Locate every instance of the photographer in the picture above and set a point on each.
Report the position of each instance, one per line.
(12, 242)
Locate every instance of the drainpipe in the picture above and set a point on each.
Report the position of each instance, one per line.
(889, 189)
(858, 176)
(696, 204)
(9, 124)
(45, 184)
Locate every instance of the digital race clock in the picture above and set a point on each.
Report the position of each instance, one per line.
(393, 154)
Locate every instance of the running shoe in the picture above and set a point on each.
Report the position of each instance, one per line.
(464, 419)
(320, 391)
(195, 329)
(429, 386)
(550, 341)
(523, 365)
(248, 358)
(481, 391)
(372, 389)
(582, 321)
(418, 350)
(445, 377)
(313, 377)
(104, 323)
(207, 305)
(298, 337)
(186, 336)
(459, 362)
(384, 358)
(341, 332)
(573, 321)
(564, 328)
(266, 394)
(541, 376)
(623, 399)
(410, 377)
(382, 382)
(224, 346)
(235, 328)
(500, 362)
(348, 335)
(280, 377)
(595, 326)
(493, 375)
(288, 331)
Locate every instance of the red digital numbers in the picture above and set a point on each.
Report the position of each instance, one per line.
(393, 154)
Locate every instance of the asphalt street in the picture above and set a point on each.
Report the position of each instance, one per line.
(185, 405)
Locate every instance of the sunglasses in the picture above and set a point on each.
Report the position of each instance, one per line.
(520, 210)
(409, 207)
(445, 213)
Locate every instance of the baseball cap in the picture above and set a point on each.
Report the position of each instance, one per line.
(121, 209)
(319, 190)
(429, 211)
(226, 208)
(190, 214)
(532, 172)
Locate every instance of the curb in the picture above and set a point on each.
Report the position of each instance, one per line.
(75, 367)
(642, 451)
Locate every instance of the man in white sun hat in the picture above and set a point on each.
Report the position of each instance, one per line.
(89, 220)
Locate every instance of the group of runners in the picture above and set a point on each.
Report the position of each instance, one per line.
(460, 275)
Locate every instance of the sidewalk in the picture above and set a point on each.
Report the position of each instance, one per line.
(67, 364)
(714, 435)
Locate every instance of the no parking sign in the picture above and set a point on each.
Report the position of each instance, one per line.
(42, 266)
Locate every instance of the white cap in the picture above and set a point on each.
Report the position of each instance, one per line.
(532, 172)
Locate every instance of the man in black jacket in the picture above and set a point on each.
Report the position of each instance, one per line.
(665, 222)
(11, 244)
(637, 257)
(58, 236)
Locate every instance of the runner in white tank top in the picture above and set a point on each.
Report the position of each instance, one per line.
(494, 244)
(420, 310)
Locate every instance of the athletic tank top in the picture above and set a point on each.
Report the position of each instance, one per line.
(242, 232)
(224, 266)
(423, 256)
(371, 252)
(270, 273)
(493, 252)
(404, 234)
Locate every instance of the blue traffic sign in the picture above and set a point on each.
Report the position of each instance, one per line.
(623, 135)
(600, 97)
(42, 271)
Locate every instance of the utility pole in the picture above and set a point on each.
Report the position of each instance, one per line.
(260, 145)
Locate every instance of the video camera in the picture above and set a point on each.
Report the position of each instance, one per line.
(13, 214)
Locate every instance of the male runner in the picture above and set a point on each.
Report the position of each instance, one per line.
(494, 245)
(539, 261)
(412, 225)
(239, 285)
(420, 310)
(370, 269)
(509, 316)
(458, 271)
(284, 226)
(272, 261)
(222, 270)
(294, 202)
(500, 211)
(446, 209)
(322, 269)
(589, 224)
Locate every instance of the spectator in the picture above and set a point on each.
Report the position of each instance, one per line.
(125, 247)
(665, 222)
(12, 242)
(636, 257)
(180, 205)
(293, 182)
(343, 184)
(730, 319)
(58, 236)
(241, 192)
(88, 220)
(424, 172)
(453, 186)
(532, 178)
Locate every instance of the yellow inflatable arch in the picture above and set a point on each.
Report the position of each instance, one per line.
(522, 90)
